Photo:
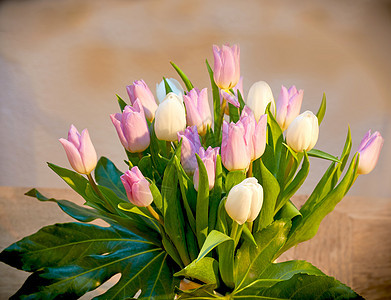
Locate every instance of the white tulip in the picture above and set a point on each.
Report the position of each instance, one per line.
(244, 201)
(174, 85)
(170, 117)
(302, 133)
(259, 96)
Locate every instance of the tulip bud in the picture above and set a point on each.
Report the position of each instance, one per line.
(288, 106)
(226, 71)
(258, 98)
(190, 146)
(208, 157)
(198, 110)
(369, 150)
(257, 132)
(236, 146)
(140, 90)
(137, 187)
(175, 86)
(132, 128)
(244, 201)
(170, 118)
(302, 133)
(80, 151)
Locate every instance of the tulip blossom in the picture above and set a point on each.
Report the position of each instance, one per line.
(208, 157)
(132, 127)
(369, 150)
(258, 98)
(140, 90)
(198, 110)
(137, 187)
(257, 132)
(288, 106)
(170, 118)
(244, 201)
(80, 151)
(190, 146)
(236, 146)
(302, 133)
(175, 86)
(226, 71)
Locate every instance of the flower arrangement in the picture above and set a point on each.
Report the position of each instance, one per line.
(204, 209)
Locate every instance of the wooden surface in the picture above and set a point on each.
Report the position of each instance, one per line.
(353, 242)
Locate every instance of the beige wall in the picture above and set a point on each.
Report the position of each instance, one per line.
(63, 61)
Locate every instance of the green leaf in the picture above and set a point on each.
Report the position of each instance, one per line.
(322, 154)
(213, 239)
(233, 178)
(157, 197)
(72, 259)
(314, 212)
(215, 197)
(172, 211)
(233, 113)
(121, 103)
(216, 100)
(241, 101)
(205, 270)
(205, 291)
(303, 286)
(322, 110)
(158, 150)
(274, 140)
(185, 79)
(167, 86)
(247, 235)
(271, 190)
(146, 166)
(202, 203)
(107, 175)
(296, 183)
(76, 181)
(288, 211)
(251, 260)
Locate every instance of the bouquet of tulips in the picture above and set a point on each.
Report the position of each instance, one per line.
(204, 209)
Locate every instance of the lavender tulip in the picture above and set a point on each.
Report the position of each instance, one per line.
(257, 132)
(140, 90)
(190, 146)
(132, 127)
(236, 146)
(302, 133)
(198, 110)
(258, 98)
(226, 71)
(369, 150)
(137, 187)
(175, 86)
(244, 201)
(170, 118)
(208, 157)
(288, 106)
(80, 151)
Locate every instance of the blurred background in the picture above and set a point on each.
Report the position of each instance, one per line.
(62, 62)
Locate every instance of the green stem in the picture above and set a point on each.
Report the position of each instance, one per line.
(250, 226)
(97, 191)
(155, 214)
(168, 148)
(221, 117)
(250, 170)
(234, 230)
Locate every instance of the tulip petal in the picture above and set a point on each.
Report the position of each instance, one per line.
(73, 155)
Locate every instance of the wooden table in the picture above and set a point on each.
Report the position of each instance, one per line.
(353, 243)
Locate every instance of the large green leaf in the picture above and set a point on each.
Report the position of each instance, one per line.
(71, 259)
(205, 270)
(107, 175)
(251, 261)
(185, 79)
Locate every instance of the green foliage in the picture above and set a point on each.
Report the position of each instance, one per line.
(185, 79)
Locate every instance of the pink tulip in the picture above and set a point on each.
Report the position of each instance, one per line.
(197, 109)
(288, 106)
(80, 151)
(226, 72)
(137, 187)
(236, 146)
(140, 90)
(208, 157)
(132, 127)
(257, 131)
(190, 146)
(369, 150)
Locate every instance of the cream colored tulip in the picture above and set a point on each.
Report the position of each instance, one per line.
(302, 133)
(258, 98)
